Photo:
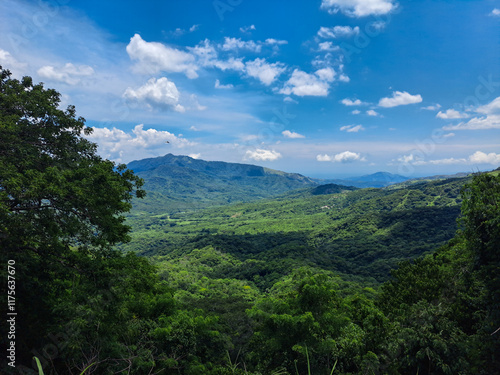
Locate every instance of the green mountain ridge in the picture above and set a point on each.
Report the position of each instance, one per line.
(179, 183)
(378, 179)
(355, 232)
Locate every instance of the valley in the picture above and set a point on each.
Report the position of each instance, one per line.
(360, 234)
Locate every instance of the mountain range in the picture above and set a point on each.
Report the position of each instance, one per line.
(178, 183)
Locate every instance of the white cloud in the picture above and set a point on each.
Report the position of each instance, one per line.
(289, 134)
(328, 46)
(378, 25)
(432, 107)
(352, 128)
(477, 157)
(218, 85)
(231, 44)
(356, 112)
(195, 156)
(194, 104)
(371, 112)
(160, 93)
(358, 8)
(264, 71)
(337, 31)
(9, 62)
(490, 118)
(155, 57)
(304, 84)
(350, 102)
(451, 114)
(326, 74)
(246, 29)
(205, 52)
(273, 41)
(492, 108)
(324, 157)
(399, 98)
(406, 159)
(482, 158)
(448, 135)
(118, 145)
(230, 64)
(344, 78)
(193, 28)
(495, 12)
(262, 155)
(343, 157)
(289, 100)
(69, 73)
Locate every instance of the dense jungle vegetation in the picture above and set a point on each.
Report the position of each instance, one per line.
(294, 285)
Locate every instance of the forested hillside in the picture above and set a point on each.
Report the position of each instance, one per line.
(180, 183)
(363, 233)
(290, 285)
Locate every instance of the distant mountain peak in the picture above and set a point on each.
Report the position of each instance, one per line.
(181, 182)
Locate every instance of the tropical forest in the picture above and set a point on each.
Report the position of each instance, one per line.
(176, 265)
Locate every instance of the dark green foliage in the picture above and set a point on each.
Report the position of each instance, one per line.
(243, 289)
(363, 233)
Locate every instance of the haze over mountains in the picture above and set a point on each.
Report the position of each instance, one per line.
(177, 183)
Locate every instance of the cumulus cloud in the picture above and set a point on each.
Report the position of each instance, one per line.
(153, 57)
(358, 8)
(69, 73)
(488, 117)
(337, 31)
(231, 44)
(264, 71)
(495, 12)
(161, 93)
(205, 53)
(121, 146)
(350, 102)
(432, 107)
(195, 156)
(305, 84)
(477, 157)
(399, 98)
(482, 158)
(328, 47)
(343, 157)
(289, 134)
(218, 85)
(356, 112)
(371, 112)
(262, 155)
(451, 114)
(352, 128)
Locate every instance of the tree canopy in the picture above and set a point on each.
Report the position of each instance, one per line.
(61, 204)
(55, 191)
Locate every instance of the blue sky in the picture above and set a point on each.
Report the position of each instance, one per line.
(326, 88)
